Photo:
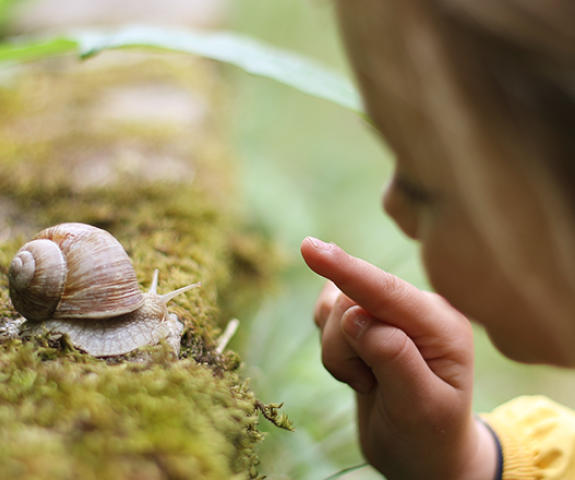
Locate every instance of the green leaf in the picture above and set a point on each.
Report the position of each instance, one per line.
(25, 51)
(250, 55)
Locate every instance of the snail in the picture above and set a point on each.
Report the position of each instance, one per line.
(77, 279)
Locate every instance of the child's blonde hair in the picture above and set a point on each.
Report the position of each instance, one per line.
(489, 86)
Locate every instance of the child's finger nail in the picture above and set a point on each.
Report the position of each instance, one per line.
(355, 321)
(320, 244)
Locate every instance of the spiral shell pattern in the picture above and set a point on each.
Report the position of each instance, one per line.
(73, 270)
(37, 275)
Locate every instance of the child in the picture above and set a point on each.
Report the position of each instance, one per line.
(477, 99)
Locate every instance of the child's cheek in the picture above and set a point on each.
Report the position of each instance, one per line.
(461, 268)
(456, 264)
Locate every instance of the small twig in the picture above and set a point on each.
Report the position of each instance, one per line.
(229, 332)
(345, 471)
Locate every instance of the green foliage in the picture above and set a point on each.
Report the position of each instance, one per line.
(6, 8)
(251, 55)
(35, 50)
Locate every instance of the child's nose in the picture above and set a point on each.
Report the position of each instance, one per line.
(403, 213)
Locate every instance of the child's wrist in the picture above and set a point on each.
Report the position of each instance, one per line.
(487, 461)
(498, 449)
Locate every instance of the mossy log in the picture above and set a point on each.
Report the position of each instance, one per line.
(133, 144)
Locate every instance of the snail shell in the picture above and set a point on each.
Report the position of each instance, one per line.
(78, 280)
(73, 270)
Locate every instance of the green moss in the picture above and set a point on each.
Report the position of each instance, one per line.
(145, 415)
(56, 140)
(76, 417)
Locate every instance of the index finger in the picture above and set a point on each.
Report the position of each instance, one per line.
(381, 294)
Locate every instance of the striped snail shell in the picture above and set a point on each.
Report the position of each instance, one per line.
(78, 279)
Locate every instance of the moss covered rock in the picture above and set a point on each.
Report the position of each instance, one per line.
(133, 144)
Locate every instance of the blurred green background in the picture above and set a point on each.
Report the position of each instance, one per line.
(312, 168)
(308, 167)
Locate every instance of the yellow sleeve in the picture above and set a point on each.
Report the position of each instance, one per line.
(537, 438)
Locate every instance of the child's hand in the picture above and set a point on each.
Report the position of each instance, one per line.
(409, 355)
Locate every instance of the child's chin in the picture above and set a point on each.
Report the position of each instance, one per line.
(542, 355)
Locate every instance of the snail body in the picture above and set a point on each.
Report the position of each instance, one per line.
(78, 280)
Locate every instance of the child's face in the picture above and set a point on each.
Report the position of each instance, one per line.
(422, 198)
(424, 202)
(461, 266)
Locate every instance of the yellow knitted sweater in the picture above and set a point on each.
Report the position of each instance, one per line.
(537, 438)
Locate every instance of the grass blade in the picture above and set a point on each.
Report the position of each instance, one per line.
(345, 471)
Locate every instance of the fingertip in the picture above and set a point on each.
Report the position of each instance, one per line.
(305, 243)
(317, 255)
(355, 321)
(317, 244)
